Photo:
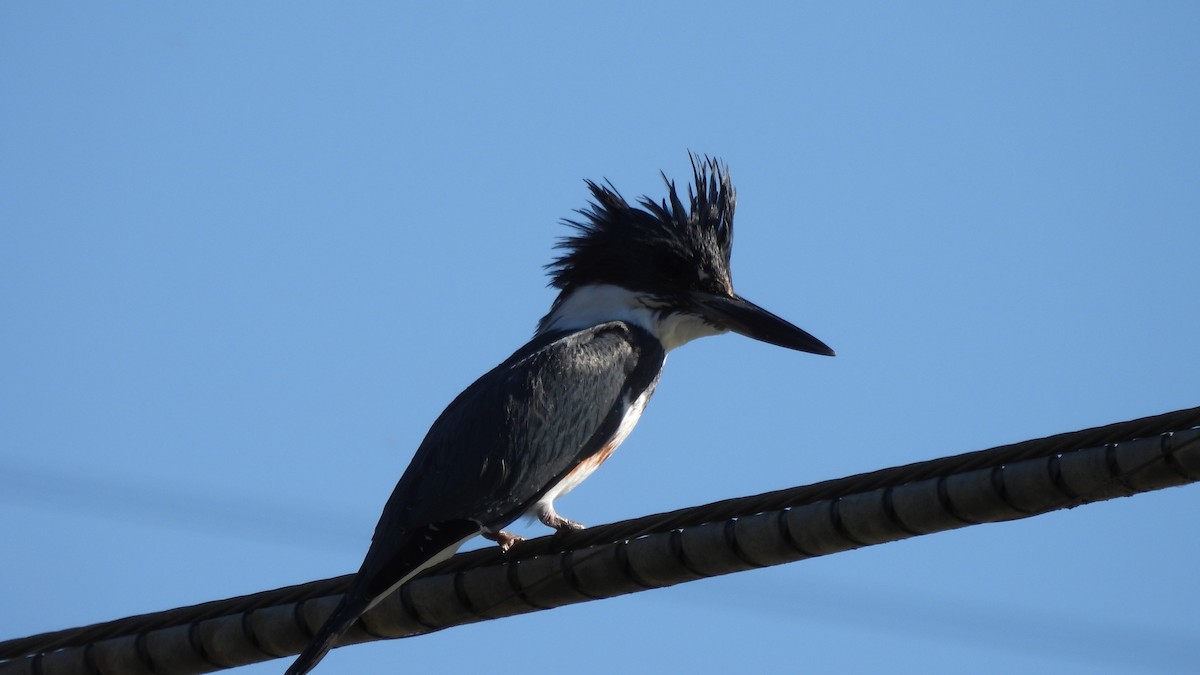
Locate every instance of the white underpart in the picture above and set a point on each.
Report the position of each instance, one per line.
(592, 305)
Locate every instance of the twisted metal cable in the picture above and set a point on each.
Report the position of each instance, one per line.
(1004, 483)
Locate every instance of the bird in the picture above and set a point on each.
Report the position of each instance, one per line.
(634, 281)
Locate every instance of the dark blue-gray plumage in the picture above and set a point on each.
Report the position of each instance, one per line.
(634, 282)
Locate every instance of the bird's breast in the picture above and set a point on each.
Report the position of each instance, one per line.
(633, 412)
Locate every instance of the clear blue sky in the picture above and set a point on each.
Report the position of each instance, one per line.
(248, 251)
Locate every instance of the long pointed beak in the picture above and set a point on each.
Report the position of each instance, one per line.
(742, 316)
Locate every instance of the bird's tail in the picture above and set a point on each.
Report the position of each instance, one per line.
(348, 610)
(394, 558)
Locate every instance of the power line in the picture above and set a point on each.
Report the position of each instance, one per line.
(1005, 483)
(1073, 636)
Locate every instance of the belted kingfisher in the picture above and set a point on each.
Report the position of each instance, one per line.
(635, 281)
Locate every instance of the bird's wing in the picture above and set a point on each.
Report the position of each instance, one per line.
(496, 449)
(522, 427)
(508, 438)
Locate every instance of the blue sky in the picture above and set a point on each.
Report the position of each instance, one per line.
(249, 251)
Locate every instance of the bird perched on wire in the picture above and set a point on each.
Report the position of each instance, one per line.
(635, 281)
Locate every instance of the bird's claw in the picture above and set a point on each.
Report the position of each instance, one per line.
(505, 539)
(561, 525)
(564, 526)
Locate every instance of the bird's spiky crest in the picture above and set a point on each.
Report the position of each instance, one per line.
(623, 244)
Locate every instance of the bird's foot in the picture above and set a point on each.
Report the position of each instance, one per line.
(560, 524)
(505, 539)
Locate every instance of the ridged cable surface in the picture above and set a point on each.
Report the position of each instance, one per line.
(1005, 483)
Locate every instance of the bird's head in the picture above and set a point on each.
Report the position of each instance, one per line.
(662, 265)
